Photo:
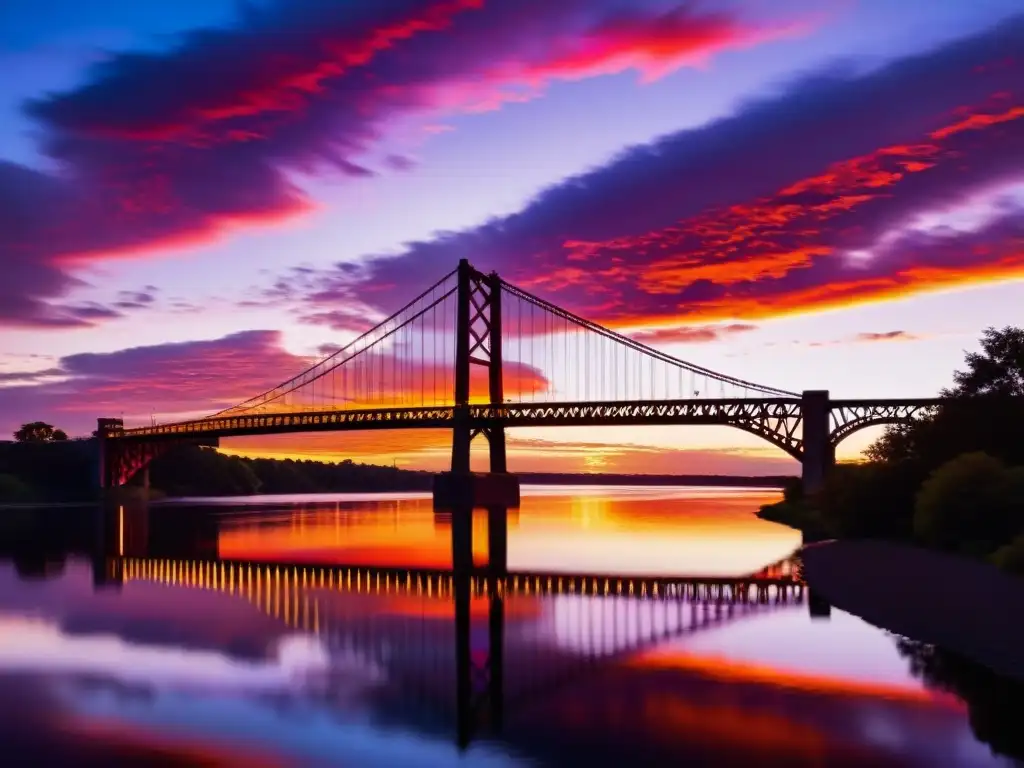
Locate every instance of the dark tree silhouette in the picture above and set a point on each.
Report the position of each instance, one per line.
(997, 370)
(39, 432)
(982, 413)
(994, 703)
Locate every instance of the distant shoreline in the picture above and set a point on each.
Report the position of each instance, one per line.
(721, 481)
(535, 479)
(44, 473)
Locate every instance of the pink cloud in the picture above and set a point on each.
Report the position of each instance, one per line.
(692, 334)
(180, 148)
(805, 201)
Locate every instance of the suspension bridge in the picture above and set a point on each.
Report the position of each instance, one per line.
(477, 355)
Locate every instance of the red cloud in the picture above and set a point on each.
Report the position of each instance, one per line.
(653, 45)
(817, 198)
(788, 252)
(178, 148)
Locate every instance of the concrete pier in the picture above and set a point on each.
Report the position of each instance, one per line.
(460, 490)
(497, 541)
(819, 456)
(818, 607)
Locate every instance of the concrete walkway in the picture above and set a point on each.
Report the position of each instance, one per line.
(964, 606)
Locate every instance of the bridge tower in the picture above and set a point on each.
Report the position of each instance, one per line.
(477, 343)
(818, 451)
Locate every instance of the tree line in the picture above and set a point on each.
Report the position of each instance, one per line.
(60, 470)
(952, 479)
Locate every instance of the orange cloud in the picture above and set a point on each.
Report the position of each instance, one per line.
(793, 204)
(781, 255)
(730, 670)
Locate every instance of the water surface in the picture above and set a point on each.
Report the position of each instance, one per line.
(318, 631)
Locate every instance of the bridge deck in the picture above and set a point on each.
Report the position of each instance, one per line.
(609, 413)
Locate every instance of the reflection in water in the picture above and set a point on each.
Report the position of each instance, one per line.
(994, 702)
(231, 635)
(626, 531)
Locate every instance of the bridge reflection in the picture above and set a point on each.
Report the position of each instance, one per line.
(466, 646)
(603, 618)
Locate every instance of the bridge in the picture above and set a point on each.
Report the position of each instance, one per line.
(476, 355)
(436, 659)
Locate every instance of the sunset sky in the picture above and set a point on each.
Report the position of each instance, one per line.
(198, 196)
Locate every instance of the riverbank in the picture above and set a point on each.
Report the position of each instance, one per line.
(962, 605)
(798, 515)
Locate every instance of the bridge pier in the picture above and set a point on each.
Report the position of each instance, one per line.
(462, 539)
(818, 608)
(464, 724)
(818, 453)
(474, 490)
(497, 541)
(479, 685)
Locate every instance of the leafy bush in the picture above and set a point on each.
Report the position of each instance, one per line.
(1011, 557)
(13, 490)
(965, 506)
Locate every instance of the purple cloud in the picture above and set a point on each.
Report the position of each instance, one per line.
(184, 377)
(172, 148)
(805, 200)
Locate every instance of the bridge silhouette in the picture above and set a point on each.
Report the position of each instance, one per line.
(477, 355)
(439, 663)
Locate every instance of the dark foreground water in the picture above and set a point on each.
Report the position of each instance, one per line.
(302, 631)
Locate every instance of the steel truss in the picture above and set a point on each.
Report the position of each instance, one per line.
(849, 416)
(126, 457)
(777, 420)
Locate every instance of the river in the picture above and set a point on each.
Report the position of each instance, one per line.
(322, 631)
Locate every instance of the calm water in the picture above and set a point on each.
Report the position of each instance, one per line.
(326, 636)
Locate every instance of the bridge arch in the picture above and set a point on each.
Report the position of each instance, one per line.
(780, 439)
(843, 432)
(849, 419)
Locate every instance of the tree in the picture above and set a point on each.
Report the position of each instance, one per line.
(1011, 557)
(13, 489)
(39, 432)
(997, 370)
(993, 701)
(965, 505)
(865, 500)
(983, 411)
